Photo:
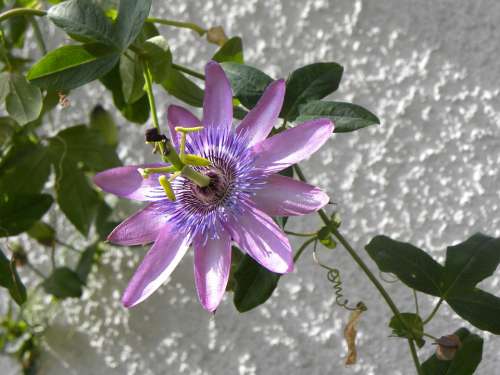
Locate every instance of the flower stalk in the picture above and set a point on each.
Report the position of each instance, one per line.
(166, 148)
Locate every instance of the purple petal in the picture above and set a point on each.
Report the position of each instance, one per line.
(127, 182)
(284, 196)
(157, 265)
(212, 263)
(259, 122)
(259, 236)
(141, 228)
(179, 116)
(218, 100)
(291, 146)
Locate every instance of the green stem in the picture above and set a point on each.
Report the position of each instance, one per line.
(434, 311)
(430, 336)
(184, 25)
(35, 270)
(300, 234)
(38, 36)
(302, 248)
(354, 255)
(191, 72)
(21, 12)
(414, 355)
(415, 297)
(68, 246)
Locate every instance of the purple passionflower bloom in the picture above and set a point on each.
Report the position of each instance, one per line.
(245, 192)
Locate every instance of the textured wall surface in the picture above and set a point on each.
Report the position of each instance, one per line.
(429, 175)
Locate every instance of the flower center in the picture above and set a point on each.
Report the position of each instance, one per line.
(217, 191)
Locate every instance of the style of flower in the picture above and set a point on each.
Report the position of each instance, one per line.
(244, 193)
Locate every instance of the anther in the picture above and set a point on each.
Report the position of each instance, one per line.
(165, 184)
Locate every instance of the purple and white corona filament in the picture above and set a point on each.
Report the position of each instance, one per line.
(244, 193)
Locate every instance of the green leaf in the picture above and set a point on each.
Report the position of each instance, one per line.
(470, 262)
(254, 284)
(248, 83)
(25, 169)
(183, 88)
(43, 233)
(157, 52)
(326, 239)
(466, 265)
(63, 283)
(132, 77)
(9, 279)
(82, 145)
(102, 122)
(16, 30)
(86, 262)
(231, 51)
(311, 82)
(75, 196)
(415, 328)
(102, 223)
(465, 361)
(346, 116)
(68, 67)
(478, 307)
(83, 19)
(137, 112)
(21, 211)
(131, 17)
(24, 101)
(4, 87)
(411, 265)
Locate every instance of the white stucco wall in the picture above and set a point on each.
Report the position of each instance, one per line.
(428, 175)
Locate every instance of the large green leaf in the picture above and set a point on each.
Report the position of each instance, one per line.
(86, 262)
(157, 53)
(102, 122)
(75, 196)
(10, 279)
(63, 283)
(346, 116)
(465, 361)
(466, 265)
(183, 88)
(231, 51)
(81, 144)
(248, 83)
(470, 262)
(254, 284)
(311, 82)
(43, 233)
(71, 66)
(478, 307)
(132, 77)
(20, 211)
(83, 19)
(137, 112)
(411, 265)
(25, 169)
(24, 101)
(131, 17)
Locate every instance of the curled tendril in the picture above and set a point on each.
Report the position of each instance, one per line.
(333, 276)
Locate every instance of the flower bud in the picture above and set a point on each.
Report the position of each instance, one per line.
(447, 346)
(216, 35)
